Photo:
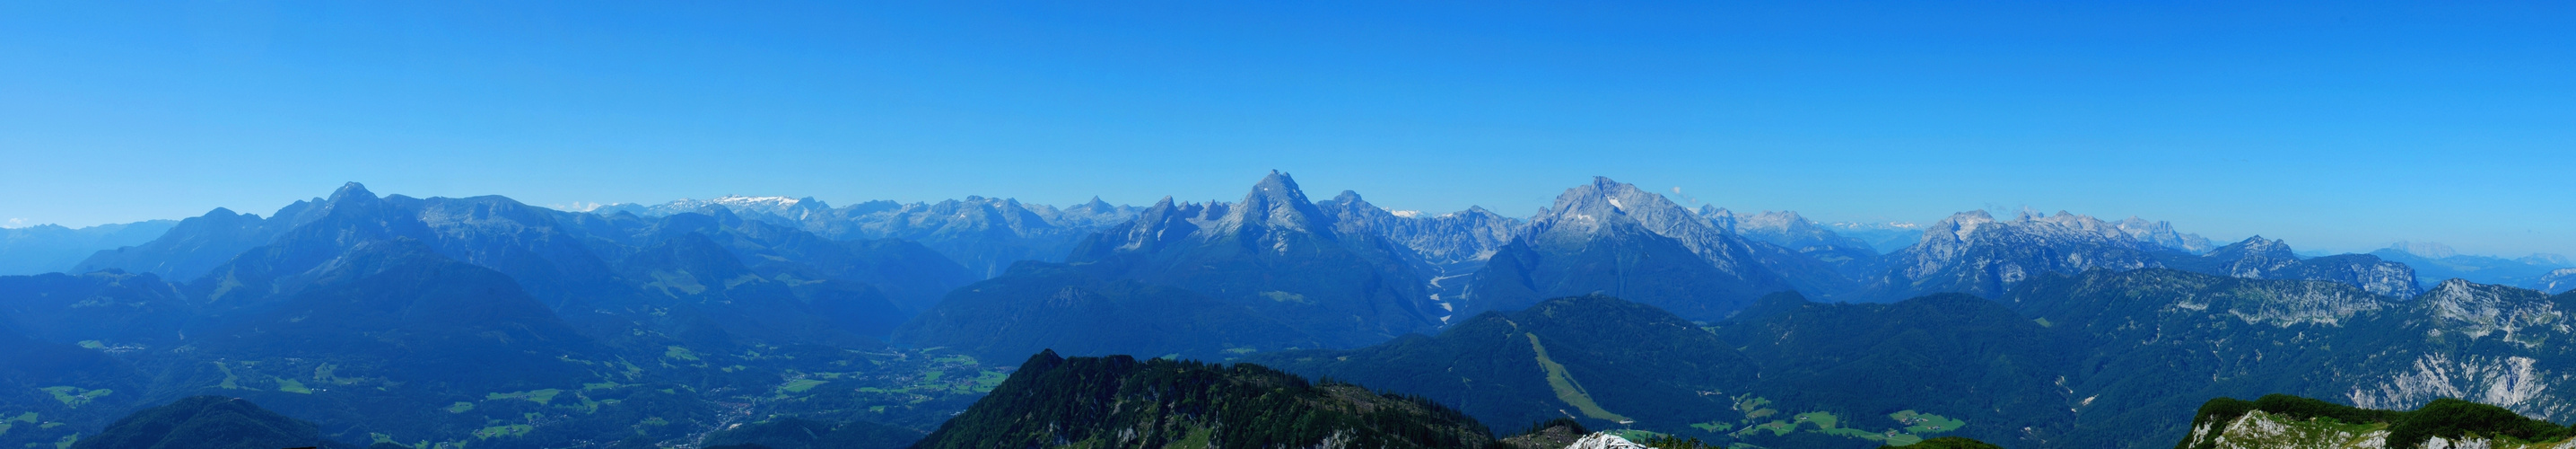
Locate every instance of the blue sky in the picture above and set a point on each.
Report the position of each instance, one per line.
(2342, 125)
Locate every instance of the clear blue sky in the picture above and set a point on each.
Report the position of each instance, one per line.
(2337, 125)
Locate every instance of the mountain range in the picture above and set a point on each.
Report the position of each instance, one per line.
(50, 248)
(485, 322)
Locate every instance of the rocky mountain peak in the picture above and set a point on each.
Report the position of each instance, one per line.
(2478, 310)
(351, 191)
(1274, 205)
(1590, 208)
(2258, 245)
(1957, 227)
(2162, 233)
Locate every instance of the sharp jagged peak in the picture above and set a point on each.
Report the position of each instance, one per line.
(351, 191)
(350, 197)
(1276, 203)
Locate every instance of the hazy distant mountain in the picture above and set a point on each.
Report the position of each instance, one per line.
(2435, 262)
(51, 248)
(1606, 361)
(1784, 228)
(1278, 253)
(196, 245)
(2546, 259)
(2162, 234)
(1849, 258)
(1613, 238)
(2558, 281)
(984, 234)
(1883, 237)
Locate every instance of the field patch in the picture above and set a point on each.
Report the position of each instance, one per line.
(1566, 389)
(541, 397)
(75, 397)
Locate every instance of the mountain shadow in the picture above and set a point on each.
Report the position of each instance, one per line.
(209, 422)
(1038, 306)
(1118, 401)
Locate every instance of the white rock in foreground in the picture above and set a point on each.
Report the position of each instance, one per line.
(1604, 440)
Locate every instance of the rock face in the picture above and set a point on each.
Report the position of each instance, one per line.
(2259, 258)
(2158, 335)
(1604, 440)
(1613, 238)
(1972, 252)
(2284, 421)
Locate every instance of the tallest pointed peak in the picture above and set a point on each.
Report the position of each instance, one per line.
(1277, 187)
(1276, 202)
(1276, 180)
(352, 190)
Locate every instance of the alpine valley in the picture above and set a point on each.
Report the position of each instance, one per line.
(1614, 317)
